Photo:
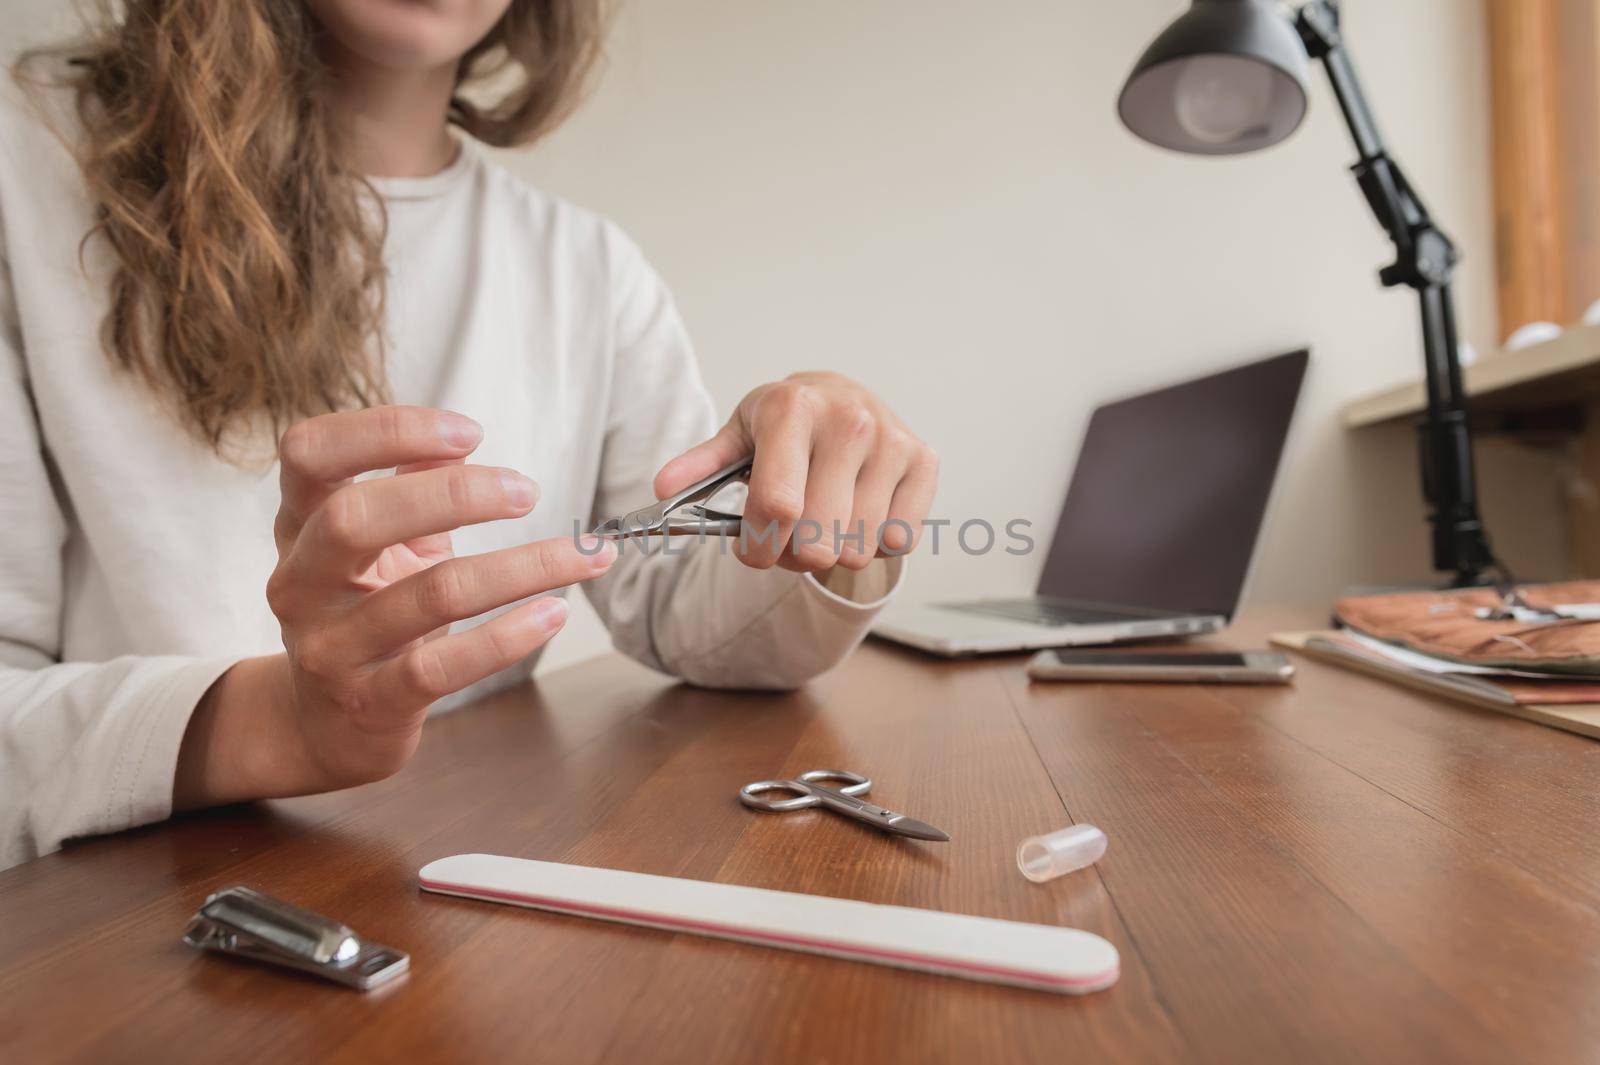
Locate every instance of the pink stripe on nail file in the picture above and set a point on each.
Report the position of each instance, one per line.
(1044, 957)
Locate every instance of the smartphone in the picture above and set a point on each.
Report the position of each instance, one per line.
(1203, 667)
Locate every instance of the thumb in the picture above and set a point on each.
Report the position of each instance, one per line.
(702, 460)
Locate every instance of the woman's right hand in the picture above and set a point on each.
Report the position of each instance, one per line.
(365, 590)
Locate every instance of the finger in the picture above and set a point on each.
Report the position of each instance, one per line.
(777, 477)
(831, 487)
(431, 464)
(911, 503)
(319, 454)
(874, 489)
(724, 449)
(434, 669)
(359, 520)
(462, 588)
(433, 546)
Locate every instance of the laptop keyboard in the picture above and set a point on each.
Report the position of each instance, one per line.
(1045, 612)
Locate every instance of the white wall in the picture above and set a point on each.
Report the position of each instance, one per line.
(935, 196)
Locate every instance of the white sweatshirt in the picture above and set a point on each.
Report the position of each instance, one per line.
(133, 559)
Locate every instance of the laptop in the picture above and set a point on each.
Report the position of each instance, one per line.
(1159, 525)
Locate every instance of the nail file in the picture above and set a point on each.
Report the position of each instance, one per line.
(1064, 960)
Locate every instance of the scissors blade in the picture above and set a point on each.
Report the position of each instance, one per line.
(876, 816)
(910, 826)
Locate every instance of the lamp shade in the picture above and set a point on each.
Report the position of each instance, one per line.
(1228, 76)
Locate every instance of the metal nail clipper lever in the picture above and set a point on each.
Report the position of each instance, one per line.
(685, 513)
(248, 924)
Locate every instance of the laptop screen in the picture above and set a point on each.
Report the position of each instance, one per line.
(1170, 488)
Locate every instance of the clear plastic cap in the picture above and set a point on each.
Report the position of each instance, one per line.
(1075, 847)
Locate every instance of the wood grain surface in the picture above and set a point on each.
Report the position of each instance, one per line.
(1544, 66)
(1335, 871)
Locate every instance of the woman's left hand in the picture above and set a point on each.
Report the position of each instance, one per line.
(838, 479)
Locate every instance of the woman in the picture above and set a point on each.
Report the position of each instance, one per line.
(233, 226)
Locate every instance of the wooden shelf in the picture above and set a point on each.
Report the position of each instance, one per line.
(1564, 372)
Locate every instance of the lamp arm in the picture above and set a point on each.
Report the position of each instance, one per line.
(1425, 260)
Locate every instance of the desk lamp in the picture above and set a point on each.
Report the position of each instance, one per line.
(1229, 76)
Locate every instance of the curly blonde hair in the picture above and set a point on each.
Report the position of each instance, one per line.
(248, 279)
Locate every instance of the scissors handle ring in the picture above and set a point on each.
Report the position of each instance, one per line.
(855, 783)
(750, 794)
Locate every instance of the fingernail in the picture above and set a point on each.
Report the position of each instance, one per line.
(458, 430)
(600, 553)
(548, 613)
(520, 491)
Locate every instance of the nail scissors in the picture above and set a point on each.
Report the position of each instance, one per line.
(684, 514)
(811, 792)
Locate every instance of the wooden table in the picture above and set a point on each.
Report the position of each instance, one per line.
(1339, 871)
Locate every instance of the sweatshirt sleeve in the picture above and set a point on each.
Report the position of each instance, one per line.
(84, 747)
(685, 606)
